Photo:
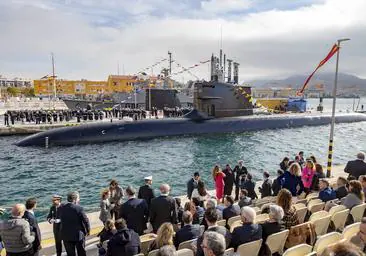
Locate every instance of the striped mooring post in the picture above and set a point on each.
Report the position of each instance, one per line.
(330, 156)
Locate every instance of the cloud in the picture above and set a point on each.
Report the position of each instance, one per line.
(90, 37)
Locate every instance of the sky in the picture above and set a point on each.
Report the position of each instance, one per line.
(91, 38)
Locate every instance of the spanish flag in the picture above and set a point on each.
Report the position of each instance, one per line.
(334, 49)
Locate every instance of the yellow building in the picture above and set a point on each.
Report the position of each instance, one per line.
(118, 83)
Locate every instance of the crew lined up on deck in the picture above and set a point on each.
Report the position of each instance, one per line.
(173, 224)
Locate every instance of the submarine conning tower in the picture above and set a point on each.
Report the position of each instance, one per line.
(218, 98)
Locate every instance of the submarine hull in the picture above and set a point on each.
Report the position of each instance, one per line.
(147, 129)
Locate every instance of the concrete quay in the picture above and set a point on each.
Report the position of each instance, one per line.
(96, 224)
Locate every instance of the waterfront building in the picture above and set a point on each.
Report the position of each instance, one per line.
(15, 82)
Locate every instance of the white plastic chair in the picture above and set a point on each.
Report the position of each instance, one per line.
(185, 252)
(229, 252)
(154, 253)
(339, 219)
(351, 230)
(250, 249)
(357, 212)
(221, 223)
(235, 224)
(318, 215)
(298, 250)
(261, 218)
(326, 240)
(187, 244)
(233, 219)
(276, 242)
(321, 225)
(337, 208)
(301, 213)
(316, 207)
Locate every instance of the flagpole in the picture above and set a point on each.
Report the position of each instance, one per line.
(331, 136)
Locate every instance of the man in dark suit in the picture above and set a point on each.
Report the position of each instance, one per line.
(211, 218)
(146, 192)
(188, 231)
(239, 171)
(135, 212)
(53, 217)
(163, 209)
(248, 232)
(356, 167)
(192, 184)
(74, 225)
(230, 210)
(30, 206)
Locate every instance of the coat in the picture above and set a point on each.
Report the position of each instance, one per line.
(147, 193)
(341, 192)
(186, 233)
(266, 188)
(307, 175)
(74, 223)
(34, 228)
(269, 228)
(276, 186)
(229, 212)
(191, 185)
(229, 180)
(105, 210)
(249, 185)
(245, 234)
(116, 196)
(327, 194)
(292, 183)
(162, 209)
(356, 168)
(239, 171)
(125, 242)
(136, 213)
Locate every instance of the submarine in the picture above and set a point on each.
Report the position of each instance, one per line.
(219, 107)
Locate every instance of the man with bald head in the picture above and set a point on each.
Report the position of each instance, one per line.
(163, 208)
(16, 234)
(356, 167)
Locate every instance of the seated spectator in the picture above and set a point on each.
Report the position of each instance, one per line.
(167, 250)
(189, 206)
(245, 200)
(362, 179)
(107, 232)
(319, 174)
(164, 237)
(201, 193)
(342, 249)
(326, 193)
(341, 190)
(249, 185)
(188, 231)
(230, 210)
(198, 217)
(355, 195)
(213, 244)
(125, 242)
(274, 224)
(211, 220)
(248, 232)
(284, 199)
(312, 158)
(180, 209)
(362, 234)
(266, 188)
(291, 180)
(212, 204)
(284, 164)
(276, 186)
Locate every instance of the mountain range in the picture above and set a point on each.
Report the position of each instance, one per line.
(348, 85)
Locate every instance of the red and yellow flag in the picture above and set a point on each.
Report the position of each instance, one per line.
(334, 49)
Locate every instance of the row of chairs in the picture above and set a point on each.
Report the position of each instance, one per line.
(181, 252)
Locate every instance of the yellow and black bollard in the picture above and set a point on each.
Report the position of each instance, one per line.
(330, 156)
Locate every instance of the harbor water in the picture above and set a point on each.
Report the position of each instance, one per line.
(38, 172)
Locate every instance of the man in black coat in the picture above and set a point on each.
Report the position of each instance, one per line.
(239, 171)
(74, 225)
(211, 220)
(146, 192)
(135, 212)
(188, 231)
(125, 242)
(228, 180)
(163, 209)
(356, 167)
(266, 188)
(192, 184)
(30, 205)
(230, 210)
(53, 217)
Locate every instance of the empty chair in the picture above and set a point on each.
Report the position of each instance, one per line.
(277, 241)
(261, 218)
(318, 215)
(301, 213)
(187, 244)
(235, 224)
(316, 207)
(339, 219)
(324, 241)
(257, 210)
(314, 201)
(233, 219)
(337, 208)
(302, 201)
(311, 196)
(221, 223)
(146, 240)
(250, 249)
(298, 250)
(229, 252)
(154, 253)
(321, 225)
(185, 252)
(357, 212)
(351, 230)
(299, 205)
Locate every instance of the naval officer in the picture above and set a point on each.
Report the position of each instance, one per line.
(53, 217)
(146, 192)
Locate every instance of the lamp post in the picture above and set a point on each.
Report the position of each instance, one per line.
(330, 148)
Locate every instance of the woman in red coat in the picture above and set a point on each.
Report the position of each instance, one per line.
(218, 177)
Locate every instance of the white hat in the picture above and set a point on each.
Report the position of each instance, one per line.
(148, 178)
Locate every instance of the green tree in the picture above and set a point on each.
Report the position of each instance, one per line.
(12, 91)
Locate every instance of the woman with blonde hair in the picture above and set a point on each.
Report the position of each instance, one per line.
(218, 176)
(105, 206)
(291, 180)
(164, 236)
(284, 199)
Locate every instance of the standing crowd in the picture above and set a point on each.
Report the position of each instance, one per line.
(129, 214)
